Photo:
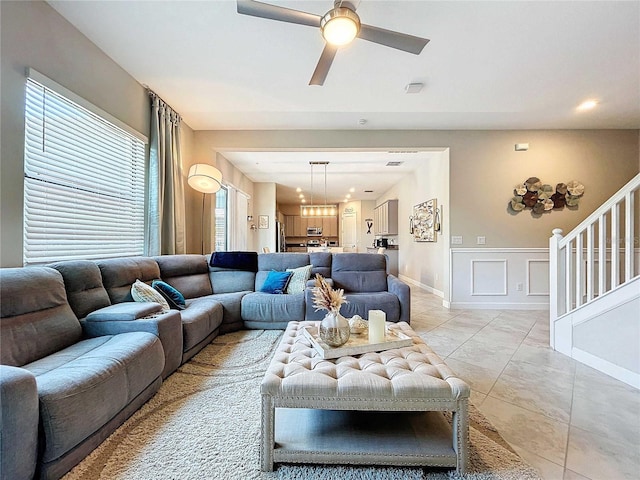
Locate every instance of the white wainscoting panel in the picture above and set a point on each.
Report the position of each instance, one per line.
(488, 277)
(538, 277)
(500, 278)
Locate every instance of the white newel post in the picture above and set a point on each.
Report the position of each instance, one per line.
(556, 281)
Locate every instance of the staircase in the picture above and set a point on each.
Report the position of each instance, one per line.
(594, 285)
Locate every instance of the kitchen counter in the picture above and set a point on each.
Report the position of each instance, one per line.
(325, 249)
(392, 258)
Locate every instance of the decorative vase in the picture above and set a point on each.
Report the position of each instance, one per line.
(334, 329)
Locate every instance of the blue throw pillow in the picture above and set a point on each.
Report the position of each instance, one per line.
(276, 282)
(173, 297)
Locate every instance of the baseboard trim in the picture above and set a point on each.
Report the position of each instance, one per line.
(500, 306)
(429, 289)
(604, 366)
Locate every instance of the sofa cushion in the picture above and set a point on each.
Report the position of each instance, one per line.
(359, 272)
(118, 274)
(201, 317)
(264, 307)
(298, 281)
(276, 282)
(141, 292)
(85, 385)
(231, 307)
(187, 273)
(36, 318)
(83, 283)
(279, 262)
(361, 303)
(321, 262)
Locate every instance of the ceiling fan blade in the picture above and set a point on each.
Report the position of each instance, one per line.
(389, 38)
(273, 12)
(322, 69)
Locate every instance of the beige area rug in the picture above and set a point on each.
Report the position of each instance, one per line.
(204, 423)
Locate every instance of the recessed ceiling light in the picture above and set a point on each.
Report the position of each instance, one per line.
(352, 189)
(587, 105)
(298, 189)
(303, 201)
(348, 195)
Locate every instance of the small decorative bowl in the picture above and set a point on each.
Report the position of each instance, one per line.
(358, 325)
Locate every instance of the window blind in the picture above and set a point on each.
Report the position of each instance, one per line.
(84, 186)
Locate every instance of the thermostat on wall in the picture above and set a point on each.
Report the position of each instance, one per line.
(522, 147)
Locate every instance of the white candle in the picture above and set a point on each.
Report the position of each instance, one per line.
(377, 326)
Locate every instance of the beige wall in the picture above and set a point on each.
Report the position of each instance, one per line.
(425, 262)
(484, 168)
(264, 204)
(34, 35)
(202, 152)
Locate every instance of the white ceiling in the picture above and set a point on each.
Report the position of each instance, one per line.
(489, 65)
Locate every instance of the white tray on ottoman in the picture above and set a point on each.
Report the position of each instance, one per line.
(378, 408)
(357, 343)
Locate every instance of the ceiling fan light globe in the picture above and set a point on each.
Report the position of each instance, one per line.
(340, 26)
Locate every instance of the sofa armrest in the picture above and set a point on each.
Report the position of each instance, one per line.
(125, 311)
(166, 326)
(402, 291)
(18, 423)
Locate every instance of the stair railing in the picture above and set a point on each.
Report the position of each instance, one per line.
(606, 237)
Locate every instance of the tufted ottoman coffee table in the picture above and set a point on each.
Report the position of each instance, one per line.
(372, 409)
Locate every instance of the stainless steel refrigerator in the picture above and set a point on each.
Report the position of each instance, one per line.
(281, 240)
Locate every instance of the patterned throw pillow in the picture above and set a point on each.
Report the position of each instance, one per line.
(172, 295)
(141, 292)
(299, 279)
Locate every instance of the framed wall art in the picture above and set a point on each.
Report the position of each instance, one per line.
(263, 221)
(424, 221)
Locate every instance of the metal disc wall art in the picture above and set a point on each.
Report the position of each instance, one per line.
(541, 197)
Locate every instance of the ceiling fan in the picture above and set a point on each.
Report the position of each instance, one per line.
(339, 26)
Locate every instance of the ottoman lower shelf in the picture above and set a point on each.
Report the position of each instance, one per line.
(363, 438)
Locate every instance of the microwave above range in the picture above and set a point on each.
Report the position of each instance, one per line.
(314, 231)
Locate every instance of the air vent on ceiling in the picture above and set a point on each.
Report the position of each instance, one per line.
(402, 151)
(394, 164)
(368, 191)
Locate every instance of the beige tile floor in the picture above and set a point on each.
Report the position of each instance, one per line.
(568, 420)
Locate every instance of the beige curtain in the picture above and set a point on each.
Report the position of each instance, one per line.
(166, 211)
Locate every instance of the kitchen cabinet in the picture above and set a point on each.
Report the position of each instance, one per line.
(330, 227)
(296, 225)
(385, 218)
(289, 226)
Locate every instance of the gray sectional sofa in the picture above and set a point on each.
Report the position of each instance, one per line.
(78, 356)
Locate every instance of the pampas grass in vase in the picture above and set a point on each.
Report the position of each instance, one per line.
(334, 329)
